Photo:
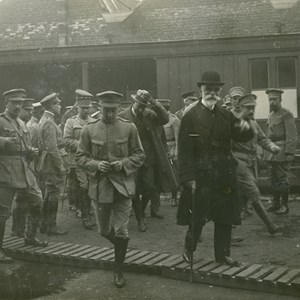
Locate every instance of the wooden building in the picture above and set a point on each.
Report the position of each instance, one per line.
(160, 45)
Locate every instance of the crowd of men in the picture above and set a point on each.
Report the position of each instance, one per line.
(112, 155)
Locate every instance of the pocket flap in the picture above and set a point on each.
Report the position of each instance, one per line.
(100, 143)
(121, 141)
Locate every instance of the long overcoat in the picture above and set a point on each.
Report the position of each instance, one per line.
(204, 155)
(154, 143)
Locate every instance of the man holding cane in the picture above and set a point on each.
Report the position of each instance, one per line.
(206, 162)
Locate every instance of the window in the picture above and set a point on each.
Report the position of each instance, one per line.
(259, 74)
(286, 70)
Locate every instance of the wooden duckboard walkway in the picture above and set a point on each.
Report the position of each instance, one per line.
(266, 278)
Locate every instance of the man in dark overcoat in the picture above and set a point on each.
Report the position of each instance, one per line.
(156, 175)
(206, 164)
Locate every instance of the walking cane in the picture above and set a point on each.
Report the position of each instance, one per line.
(193, 231)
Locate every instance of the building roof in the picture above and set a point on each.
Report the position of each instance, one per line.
(35, 24)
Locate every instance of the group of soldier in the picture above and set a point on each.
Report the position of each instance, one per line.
(114, 155)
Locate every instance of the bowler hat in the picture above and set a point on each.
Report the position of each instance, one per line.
(211, 78)
(110, 99)
(142, 97)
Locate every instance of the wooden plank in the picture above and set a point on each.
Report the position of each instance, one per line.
(145, 258)
(57, 252)
(249, 271)
(24, 248)
(132, 252)
(135, 257)
(218, 271)
(96, 252)
(200, 264)
(96, 257)
(168, 259)
(15, 245)
(174, 262)
(287, 278)
(182, 266)
(155, 260)
(262, 273)
(49, 247)
(209, 267)
(81, 253)
(234, 270)
(275, 275)
(75, 250)
(8, 238)
(296, 283)
(49, 251)
(12, 243)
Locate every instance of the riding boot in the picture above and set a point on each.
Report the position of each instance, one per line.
(4, 259)
(111, 236)
(262, 213)
(121, 245)
(276, 203)
(284, 209)
(137, 207)
(32, 223)
(85, 209)
(18, 221)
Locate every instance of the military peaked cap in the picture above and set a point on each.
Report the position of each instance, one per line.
(15, 95)
(50, 99)
(110, 99)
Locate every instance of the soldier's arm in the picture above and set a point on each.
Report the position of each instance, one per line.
(50, 144)
(290, 133)
(136, 154)
(71, 143)
(237, 133)
(263, 141)
(84, 154)
(175, 125)
(158, 114)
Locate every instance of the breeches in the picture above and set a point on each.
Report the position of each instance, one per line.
(30, 198)
(280, 176)
(247, 183)
(114, 215)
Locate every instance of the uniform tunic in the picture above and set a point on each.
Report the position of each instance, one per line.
(16, 169)
(110, 142)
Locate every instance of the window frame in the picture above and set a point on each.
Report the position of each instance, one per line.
(267, 59)
(277, 71)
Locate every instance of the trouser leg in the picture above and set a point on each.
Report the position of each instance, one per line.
(137, 207)
(190, 241)
(44, 212)
(222, 239)
(19, 213)
(52, 211)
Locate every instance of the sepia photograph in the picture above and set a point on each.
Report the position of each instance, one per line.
(149, 149)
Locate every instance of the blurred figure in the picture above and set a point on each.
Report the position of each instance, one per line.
(188, 99)
(171, 131)
(78, 179)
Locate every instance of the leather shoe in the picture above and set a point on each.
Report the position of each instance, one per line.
(4, 259)
(157, 216)
(227, 260)
(283, 210)
(119, 280)
(88, 223)
(35, 242)
(187, 256)
(142, 227)
(57, 232)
